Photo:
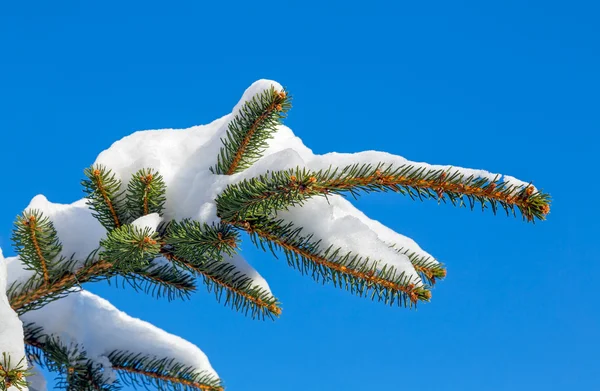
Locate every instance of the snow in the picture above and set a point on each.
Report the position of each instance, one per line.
(150, 221)
(183, 157)
(100, 329)
(11, 328)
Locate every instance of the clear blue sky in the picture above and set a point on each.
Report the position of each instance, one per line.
(511, 87)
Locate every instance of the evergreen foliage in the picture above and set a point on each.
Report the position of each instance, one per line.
(145, 194)
(250, 129)
(36, 241)
(166, 261)
(13, 375)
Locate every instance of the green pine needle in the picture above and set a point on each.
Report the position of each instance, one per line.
(36, 241)
(129, 248)
(104, 196)
(145, 194)
(160, 281)
(348, 271)
(250, 129)
(75, 371)
(138, 370)
(13, 375)
(193, 239)
(280, 190)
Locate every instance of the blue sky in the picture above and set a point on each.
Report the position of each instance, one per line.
(509, 87)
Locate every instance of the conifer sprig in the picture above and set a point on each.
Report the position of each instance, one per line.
(75, 369)
(349, 271)
(129, 248)
(13, 375)
(192, 239)
(145, 194)
(143, 371)
(428, 268)
(104, 196)
(280, 190)
(239, 290)
(34, 294)
(248, 132)
(36, 240)
(161, 280)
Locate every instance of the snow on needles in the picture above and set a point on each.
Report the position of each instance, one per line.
(100, 328)
(184, 157)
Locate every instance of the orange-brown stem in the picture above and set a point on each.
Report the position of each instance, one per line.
(439, 185)
(246, 141)
(147, 181)
(429, 272)
(106, 199)
(17, 302)
(158, 376)
(32, 229)
(370, 277)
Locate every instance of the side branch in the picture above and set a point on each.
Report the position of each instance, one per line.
(107, 201)
(270, 306)
(28, 297)
(352, 271)
(282, 189)
(246, 140)
(31, 223)
(249, 130)
(165, 378)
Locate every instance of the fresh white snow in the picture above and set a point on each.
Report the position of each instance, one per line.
(11, 328)
(183, 157)
(100, 328)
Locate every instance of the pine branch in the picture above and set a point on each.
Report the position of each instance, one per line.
(161, 280)
(104, 196)
(241, 293)
(129, 248)
(193, 239)
(76, 372)
(248, 132)
(427, 267)
(145, 194)
(352, 272)
(281, 190)
(36, 241)
(142, 371)
(34, 294)
(200, 248)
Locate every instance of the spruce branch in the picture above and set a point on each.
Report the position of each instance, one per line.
(139, 370)
(161, 280)
(348, 271)
(104, 196)
(248, 132)
(428, 268)
(280, 190)
(36, 241)
(192, 239)
(76, 371)
(129, 248)
(200, 248)
(145, 194)
(34, 294)
(240, 291)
